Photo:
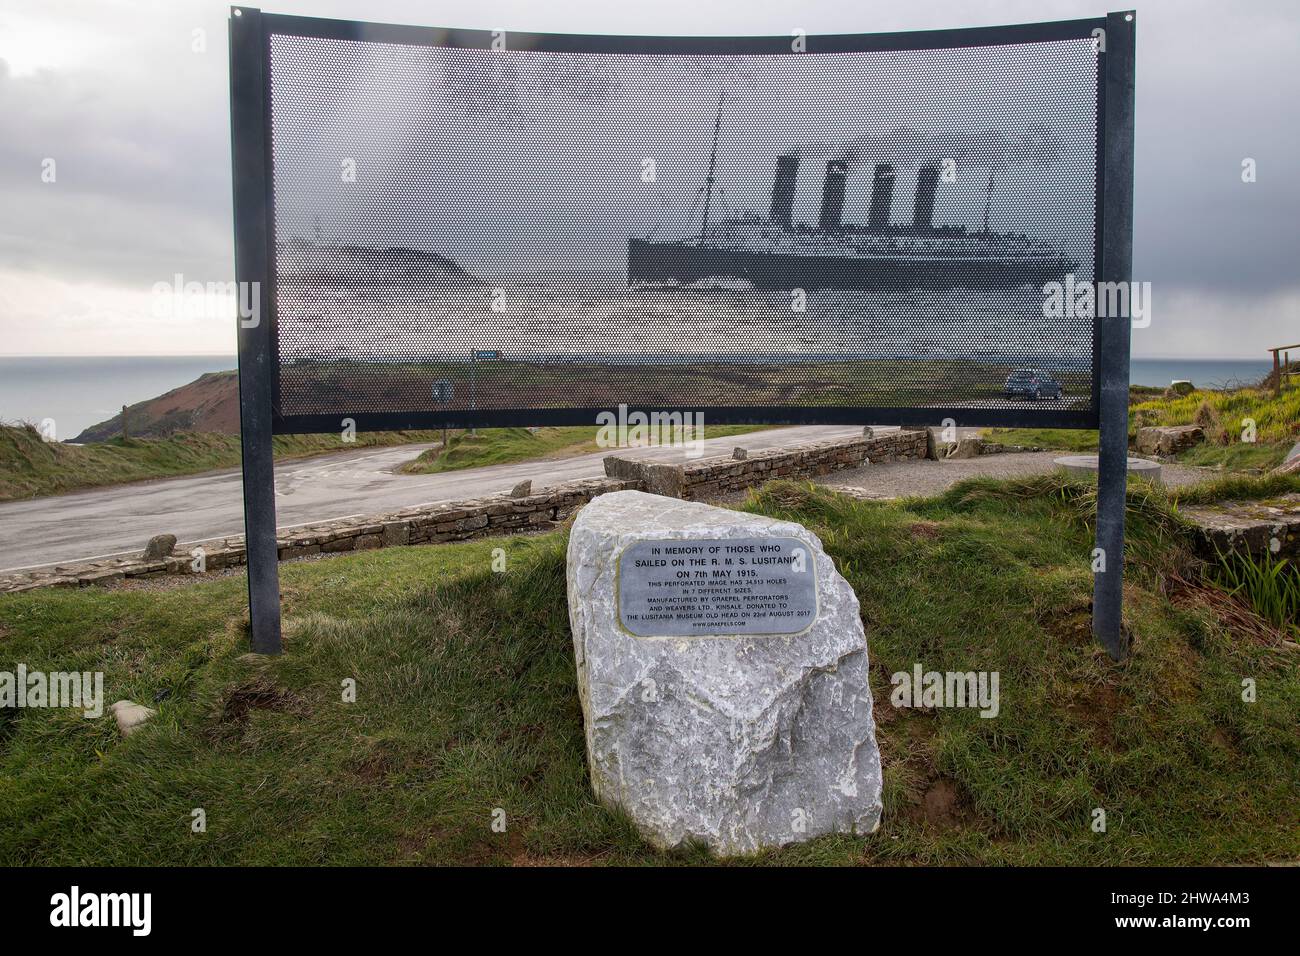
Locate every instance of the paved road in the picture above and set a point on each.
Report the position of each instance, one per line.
(106, 522)
(900, 479)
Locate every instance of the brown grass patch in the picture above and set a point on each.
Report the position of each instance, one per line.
(1235, 616)
(259, 694)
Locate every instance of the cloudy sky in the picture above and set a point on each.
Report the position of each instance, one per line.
(129, 99)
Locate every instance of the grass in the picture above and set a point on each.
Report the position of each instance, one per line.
(1237, 456)
(499, 446)
(30, 467)
(1056, 439)
(1270, 586)
(466, 702)
(1223, 415)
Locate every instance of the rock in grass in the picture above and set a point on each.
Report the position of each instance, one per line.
(966, 448)
(1167, 440)
(159, 547)
(1292, 464)
(742, 741)
(130, 716)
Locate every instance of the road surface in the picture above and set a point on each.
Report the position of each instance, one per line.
(109, 522)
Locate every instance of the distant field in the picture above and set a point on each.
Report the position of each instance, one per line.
(320, 388)
(499, 446)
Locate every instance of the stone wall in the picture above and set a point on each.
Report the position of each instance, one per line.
(709, 477)
(1258, 528)
(494, 515)
(430, 524)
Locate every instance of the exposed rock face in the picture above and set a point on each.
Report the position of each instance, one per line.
(1167, 440)
(939, 447)
(1258, 528)
(1292, 464)
(159, 547)
(967, 448)
(743, 741)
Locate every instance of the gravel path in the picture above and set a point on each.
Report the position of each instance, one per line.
(925, 478)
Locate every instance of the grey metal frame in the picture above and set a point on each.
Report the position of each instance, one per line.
(1112, 354)
(251, 161)
(261, 417)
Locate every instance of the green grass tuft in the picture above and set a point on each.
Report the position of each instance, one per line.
(1224, 414)
(1270, 585)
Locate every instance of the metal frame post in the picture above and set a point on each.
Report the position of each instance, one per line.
(250, 163)
(1116, 265)
(261, 412)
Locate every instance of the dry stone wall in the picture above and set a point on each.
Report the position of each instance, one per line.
(493, 515)
(709, 477)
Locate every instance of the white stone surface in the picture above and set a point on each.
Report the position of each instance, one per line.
(1085, 466)
(742, 742)
(130, 716)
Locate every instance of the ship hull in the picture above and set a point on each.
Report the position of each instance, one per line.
(663, 262)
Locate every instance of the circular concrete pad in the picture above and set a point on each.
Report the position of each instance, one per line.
(1086, 466)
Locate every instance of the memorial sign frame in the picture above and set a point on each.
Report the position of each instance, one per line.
(262, 416)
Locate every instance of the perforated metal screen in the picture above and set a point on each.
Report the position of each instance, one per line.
(531, 233)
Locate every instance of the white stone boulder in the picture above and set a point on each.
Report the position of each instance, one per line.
(738, 739)
(130, 716)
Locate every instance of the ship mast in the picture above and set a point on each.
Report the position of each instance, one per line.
(713, 164)
(988, 201)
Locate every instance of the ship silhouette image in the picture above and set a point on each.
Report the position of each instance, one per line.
(778, 253)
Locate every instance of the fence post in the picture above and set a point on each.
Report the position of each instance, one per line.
(1113, 332)
(256, 353)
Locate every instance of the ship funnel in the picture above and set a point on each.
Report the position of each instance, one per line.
(882, 198)
(787, 171)
(837, 172)
(927, 184)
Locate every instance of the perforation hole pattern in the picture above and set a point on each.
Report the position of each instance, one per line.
(462, 230)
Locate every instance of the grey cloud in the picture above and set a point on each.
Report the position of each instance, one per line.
(141, 132)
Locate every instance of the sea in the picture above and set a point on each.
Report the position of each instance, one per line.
(79, 391)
